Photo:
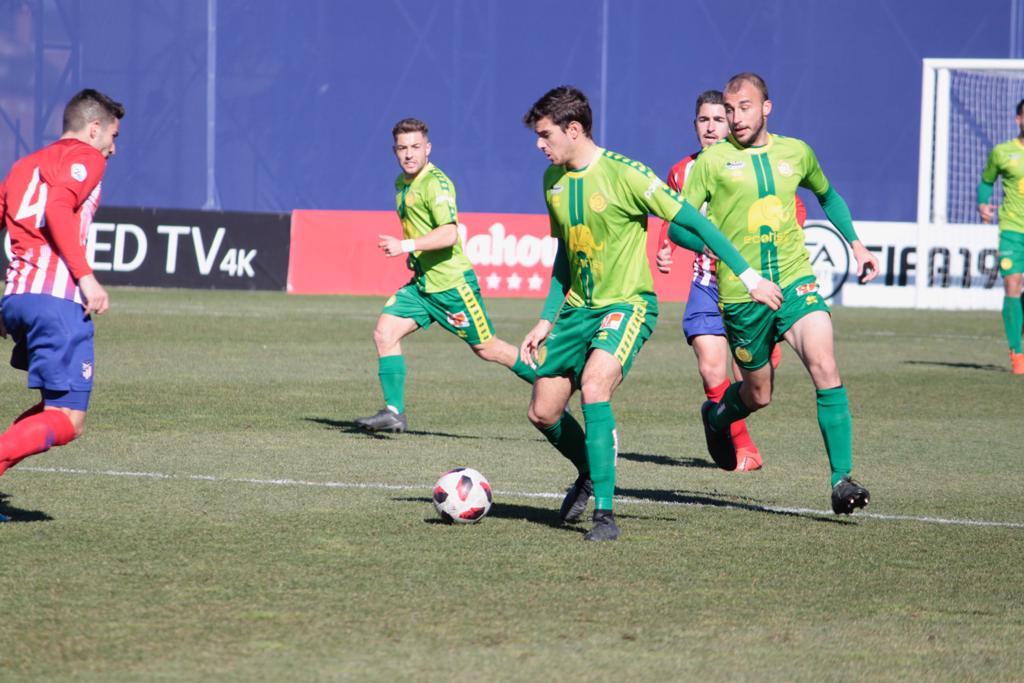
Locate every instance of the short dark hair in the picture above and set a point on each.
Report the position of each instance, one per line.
(1020, 108)
(562, 105)
(739, 79)
(708, 97)
(410, 126)
(90, 105)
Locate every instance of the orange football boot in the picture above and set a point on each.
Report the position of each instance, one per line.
(1017, 363)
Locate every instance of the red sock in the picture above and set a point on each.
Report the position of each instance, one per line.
(716, 393)
(34, 434)
(37, 408)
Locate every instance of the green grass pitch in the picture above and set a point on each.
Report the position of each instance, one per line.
(221, 520)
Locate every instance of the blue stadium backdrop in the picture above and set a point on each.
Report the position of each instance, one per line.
(260, 105)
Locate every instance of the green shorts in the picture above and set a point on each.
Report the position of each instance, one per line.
(753, 329)
(460, 310)
(619, 329)
(1011, 252)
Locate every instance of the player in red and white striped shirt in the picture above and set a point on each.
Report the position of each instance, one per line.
(47, 202)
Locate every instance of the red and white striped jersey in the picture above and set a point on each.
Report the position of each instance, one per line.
(47, 202)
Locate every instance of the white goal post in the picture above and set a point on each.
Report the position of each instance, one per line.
(967, 107)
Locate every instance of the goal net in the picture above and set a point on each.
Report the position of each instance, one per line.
(967, 107)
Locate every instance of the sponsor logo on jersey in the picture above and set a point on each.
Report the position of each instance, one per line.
(555, 189)
(458, 319)
(743, 355)
(806, 288)
(443, 199)
(602, 335)
(652, 188)
(785, 169)
(811, 300)
(598, 203)
(78, 172)
(613, 320)
(735, 165)
(86, 370)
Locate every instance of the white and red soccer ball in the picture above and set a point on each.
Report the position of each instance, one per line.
(462, 495)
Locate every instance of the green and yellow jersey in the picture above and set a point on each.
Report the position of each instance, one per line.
(1007, 160)
(426, 203)
(751, 192)
(600, 213)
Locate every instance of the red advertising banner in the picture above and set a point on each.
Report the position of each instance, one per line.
(335, 252)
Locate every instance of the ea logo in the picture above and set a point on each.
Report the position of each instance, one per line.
(830, 258)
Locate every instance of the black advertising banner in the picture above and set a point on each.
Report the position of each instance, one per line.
(187, 248)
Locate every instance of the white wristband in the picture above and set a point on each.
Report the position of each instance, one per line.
(408, 245)
(750, 279)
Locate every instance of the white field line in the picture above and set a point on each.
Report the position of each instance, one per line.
(511, 494)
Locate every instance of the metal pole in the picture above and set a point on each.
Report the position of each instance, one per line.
(604, 74)
(212, 202)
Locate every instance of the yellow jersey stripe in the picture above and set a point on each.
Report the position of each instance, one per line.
(476, 312)
(636, 320)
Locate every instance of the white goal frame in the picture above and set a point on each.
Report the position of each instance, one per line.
(933, 180)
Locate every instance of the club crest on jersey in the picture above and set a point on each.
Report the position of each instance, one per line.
(785, 169)
(743, 355)
(1006, 263)
(78, 172)
(806, 288)
(86, 370)
(613, 321)
(458, 319)
(598, 203)
(541, 355)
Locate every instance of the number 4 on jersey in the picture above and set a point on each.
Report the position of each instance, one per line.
(38, 207)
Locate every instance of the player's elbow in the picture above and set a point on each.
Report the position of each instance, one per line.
(448, 235)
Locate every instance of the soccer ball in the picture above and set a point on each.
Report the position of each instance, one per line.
(462, 495)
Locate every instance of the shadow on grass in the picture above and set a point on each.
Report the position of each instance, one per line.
(350, 427)
(689, 498)
(700, 463)
(19, 515)
(988, 367)
(537, 515)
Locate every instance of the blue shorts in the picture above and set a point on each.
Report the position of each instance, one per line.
(702, 315)
(53, 343)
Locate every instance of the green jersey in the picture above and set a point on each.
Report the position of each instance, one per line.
(426, 203)
(1007, 160)
(600, 214)
(751, 192)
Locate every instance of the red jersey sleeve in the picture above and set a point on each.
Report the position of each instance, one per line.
(800, 210)
(72, 178)
(675, 179)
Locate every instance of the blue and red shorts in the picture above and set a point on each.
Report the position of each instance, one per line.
(702, 315)
(53, 342)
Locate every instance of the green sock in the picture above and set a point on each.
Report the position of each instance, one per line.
(524, 371)
(836, 425)
(567, 436)
(602, 449)
(1013, 318)
(729, 409)
(391, 370)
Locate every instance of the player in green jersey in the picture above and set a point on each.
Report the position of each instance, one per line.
(443, 288)
(749, 181)
(601, 306)
(1007, 160)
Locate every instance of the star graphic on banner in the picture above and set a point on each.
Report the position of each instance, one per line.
(514, 281)
(493, 281)
(534, 282)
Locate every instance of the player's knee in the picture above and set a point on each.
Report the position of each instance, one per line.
(712, 374)
(542, 419)
(756, 397)
(486, 351)
(824, 372)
